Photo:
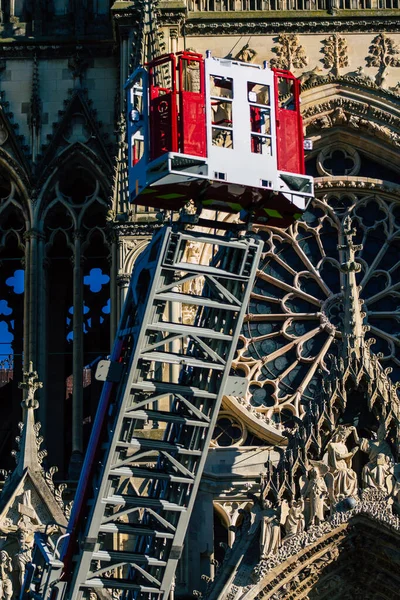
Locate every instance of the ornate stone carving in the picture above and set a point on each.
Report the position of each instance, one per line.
(295, 523)
(341, 479)
(29, 498)
(316, 492)
(290, 53)
(277, 353)
(248, 26)
(30, 385)
(338, 159)
(267, 519)
(6, 584)
(377, 473)
(246, 54)
(336, 53)
(373, 503)
(270, 530)
(77, 64)
(384, 53)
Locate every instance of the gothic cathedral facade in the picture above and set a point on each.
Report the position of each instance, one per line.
(300, 498)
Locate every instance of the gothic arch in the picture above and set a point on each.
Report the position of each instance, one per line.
(348, 111)
(71, 216)
(15, 223)
(84, 158)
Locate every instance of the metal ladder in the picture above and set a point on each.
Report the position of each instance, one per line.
(137, 491)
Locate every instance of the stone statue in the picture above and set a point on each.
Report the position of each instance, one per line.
(295, 520)
(246, 54)
(25, 537)
(379, 468)
(6, 586)
(316, 492)
(270, 534)
(268, 519)
(341, 479)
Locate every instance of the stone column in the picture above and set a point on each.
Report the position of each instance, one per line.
(42, 318)
(123, 280)
(77, 364)
(124, 65)
(200, 542)
(114, 299)
(36, 245)
(27, 278)
(173, 34)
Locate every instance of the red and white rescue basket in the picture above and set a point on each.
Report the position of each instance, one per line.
(225, 133)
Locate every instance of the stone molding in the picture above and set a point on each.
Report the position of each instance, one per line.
(262, 23)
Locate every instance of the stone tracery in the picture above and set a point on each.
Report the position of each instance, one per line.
(297, 307)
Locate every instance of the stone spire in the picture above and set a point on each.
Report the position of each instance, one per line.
(29, 477)
(353, 328)
(28, 455)
(35, 112)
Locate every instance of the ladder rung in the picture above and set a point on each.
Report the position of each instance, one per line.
(144, 502)
(127, 471)
(135, 529)
(172, 388)
(157, 445)
(167, 417)
(206, 270)
(129, 557)
(189, 330)
(120, 584)
(196, 300)
(181, 359)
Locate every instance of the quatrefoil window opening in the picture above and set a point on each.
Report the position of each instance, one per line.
(228, 431)
(338, 160)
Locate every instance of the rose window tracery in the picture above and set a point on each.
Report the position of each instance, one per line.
(297, 309)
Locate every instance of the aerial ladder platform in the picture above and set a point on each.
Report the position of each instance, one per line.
(166, 377)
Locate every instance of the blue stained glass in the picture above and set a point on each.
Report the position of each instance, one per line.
(17, 282)
(106, 309)
(6, 337)
(4, 308)
(95, 280)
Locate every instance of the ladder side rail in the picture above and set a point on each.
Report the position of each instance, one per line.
(121, 344)
(124, 388)
(83, 489)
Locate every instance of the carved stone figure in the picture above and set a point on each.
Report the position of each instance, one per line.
(25, 539)
(268, 519)
(295, 520)
(270, 534)
(6, 586)
(316, 492)
(246, 54)
(341, 479)
(376, 472)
